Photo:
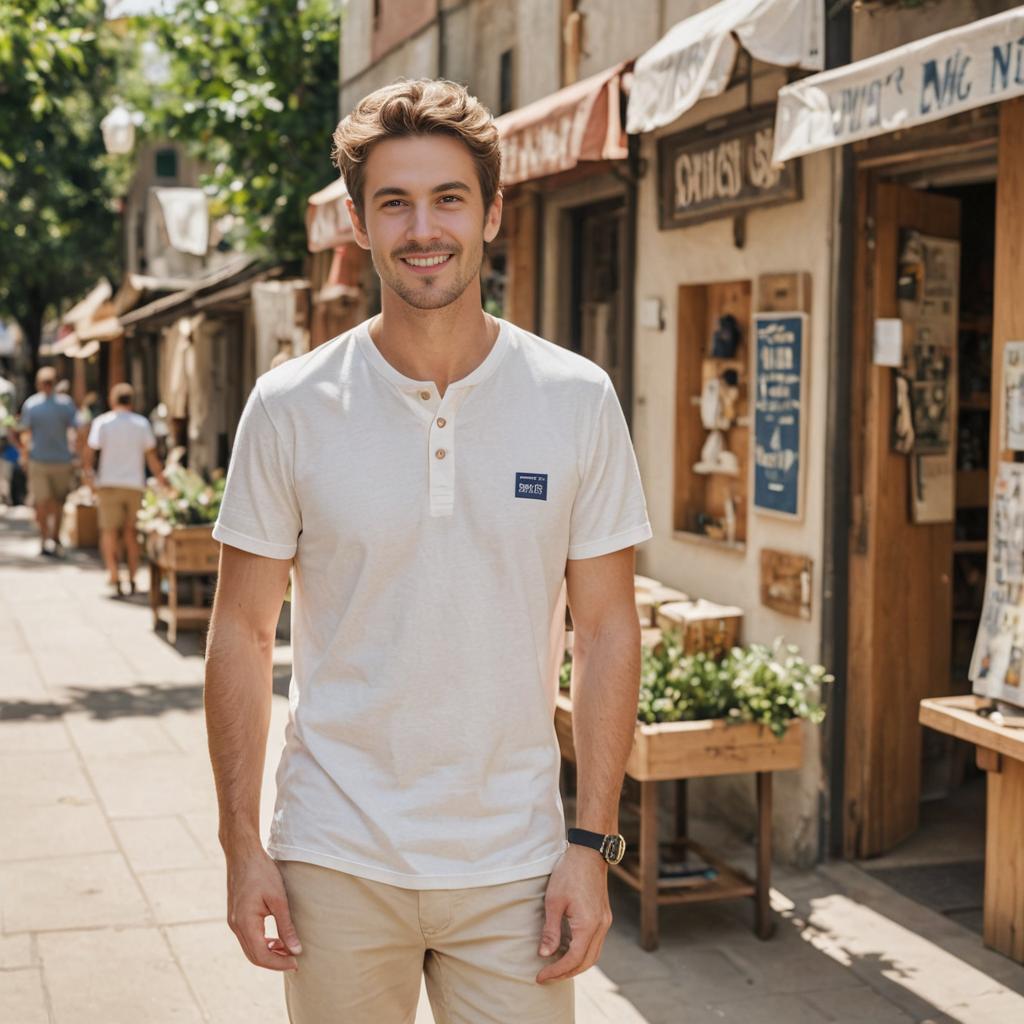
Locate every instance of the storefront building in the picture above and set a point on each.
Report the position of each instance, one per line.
(933, 129)
(733, 288)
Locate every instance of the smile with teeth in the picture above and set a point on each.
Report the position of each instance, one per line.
(427, 261)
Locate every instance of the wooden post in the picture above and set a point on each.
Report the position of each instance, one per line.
(1004, 860)
(648, 865)
(764, 925)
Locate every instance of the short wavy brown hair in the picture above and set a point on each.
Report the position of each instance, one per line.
(426, 106)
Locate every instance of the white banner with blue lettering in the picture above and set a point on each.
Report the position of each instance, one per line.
(934, 77)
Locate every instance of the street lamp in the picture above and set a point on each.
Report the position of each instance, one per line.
(118, 129)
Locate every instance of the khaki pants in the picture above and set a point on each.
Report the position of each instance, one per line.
(117, 506)
(49, 481)
(366, 945)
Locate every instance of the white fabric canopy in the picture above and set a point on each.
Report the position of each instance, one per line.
(930, 78)
(186, 218)
(694, 59)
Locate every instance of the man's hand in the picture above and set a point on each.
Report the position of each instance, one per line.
(577, 891)
(255, 892)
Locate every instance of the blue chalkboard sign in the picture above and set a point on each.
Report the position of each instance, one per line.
(778, 411)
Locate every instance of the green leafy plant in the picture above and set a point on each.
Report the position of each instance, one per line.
(766, 685)
(188, 500)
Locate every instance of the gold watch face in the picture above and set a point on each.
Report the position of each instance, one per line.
(613, 849)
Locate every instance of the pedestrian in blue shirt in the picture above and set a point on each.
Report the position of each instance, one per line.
(48, 417)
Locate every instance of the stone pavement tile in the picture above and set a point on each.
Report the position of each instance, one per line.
(56, 830)
(229, 988)
(87, 891)
(180, 897)
(62, 669)
(600, 1001)
(33, 736)
(857, 1006)
(43, 778)
(133, 734)
(661, 1002)
(622, 958)
(159, 844)
(19, 678)
(22, 999)
(144, 785)
(770, 1010)
(16, 951)
(203, 825)
(118, 976)
(187, 728)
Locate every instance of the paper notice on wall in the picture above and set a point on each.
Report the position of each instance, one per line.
(888, 342)
(1013, 396)
(933, 495)
(998, 660)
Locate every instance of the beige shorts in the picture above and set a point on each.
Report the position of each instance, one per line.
(117, 506)
(366, 946)
(49, 481)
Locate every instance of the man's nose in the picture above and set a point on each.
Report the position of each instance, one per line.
(423, 225)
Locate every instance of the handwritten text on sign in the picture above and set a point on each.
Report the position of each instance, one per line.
(778, 408)
(705, 175)
(966, 67)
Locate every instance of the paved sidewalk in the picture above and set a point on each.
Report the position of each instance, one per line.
(112, 888)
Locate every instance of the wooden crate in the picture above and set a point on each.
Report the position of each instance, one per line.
(678, 750)
(188, 551)
(705, 627)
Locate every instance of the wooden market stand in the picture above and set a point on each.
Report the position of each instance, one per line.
(188, 552)
(678, 751)
(1000, 754)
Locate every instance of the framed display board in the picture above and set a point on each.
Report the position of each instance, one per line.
(780, 386)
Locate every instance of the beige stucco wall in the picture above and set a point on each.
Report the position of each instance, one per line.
(792, 237)
(883, 28)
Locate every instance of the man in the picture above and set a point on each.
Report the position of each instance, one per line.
(126, 445)
(48, 417)
(438, 476)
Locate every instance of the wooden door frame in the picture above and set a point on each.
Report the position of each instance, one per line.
(882, 738)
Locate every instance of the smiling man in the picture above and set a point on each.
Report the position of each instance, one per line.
(441, 481)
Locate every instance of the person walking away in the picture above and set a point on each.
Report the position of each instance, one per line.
(441, 479)
(48, 417)
(126, 445)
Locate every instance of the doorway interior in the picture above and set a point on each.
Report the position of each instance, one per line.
(942, 863)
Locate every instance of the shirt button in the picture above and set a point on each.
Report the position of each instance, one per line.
(441, 421)
(440, 453)
(425, 395)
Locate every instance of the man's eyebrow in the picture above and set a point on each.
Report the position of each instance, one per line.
(447, 186)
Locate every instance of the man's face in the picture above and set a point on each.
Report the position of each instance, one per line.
(423, 218)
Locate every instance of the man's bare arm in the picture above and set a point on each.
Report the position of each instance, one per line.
(154, 467)
(239, 680)
(605, 687)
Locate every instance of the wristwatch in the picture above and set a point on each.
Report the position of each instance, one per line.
(611, 847)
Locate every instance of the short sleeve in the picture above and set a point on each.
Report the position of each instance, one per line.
(148, 437)
(609, 512)
(95, 438)
(25, 418)
(259, 512)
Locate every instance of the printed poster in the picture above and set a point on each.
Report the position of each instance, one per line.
(1013, 396)
(998, 660)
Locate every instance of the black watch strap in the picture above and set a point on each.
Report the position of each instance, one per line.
(611, 847)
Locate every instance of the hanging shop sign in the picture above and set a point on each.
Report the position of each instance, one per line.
(997, 666)
(966, 67)
(703, 175)
(778, 412)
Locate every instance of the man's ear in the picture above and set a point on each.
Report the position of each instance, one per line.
(358, 228)
(492, 222)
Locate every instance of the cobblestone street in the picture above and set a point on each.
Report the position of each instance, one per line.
(111, 880)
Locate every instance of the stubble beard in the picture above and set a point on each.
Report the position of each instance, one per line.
(428, 294)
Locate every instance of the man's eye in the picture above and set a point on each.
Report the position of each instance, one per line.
(392, 203)
(445, 199)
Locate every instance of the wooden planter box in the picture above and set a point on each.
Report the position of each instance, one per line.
(685, 750)
(186, 551)
(689, 750)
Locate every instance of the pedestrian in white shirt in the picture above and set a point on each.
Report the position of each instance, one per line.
(126, 445)
(439, 478)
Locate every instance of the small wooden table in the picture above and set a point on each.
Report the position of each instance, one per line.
(186, 551)
(1000, 754)
(678, 751)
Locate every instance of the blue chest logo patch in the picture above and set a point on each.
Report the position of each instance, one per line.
(532, 485)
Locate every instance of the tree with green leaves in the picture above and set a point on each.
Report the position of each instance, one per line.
(252, 90)
(59, 64)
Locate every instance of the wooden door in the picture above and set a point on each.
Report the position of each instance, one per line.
(900, 597)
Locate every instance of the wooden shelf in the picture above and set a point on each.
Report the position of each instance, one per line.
(970, 547)
(981, 403)
(709, 542)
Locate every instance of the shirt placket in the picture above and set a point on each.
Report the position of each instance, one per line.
(441, 452)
